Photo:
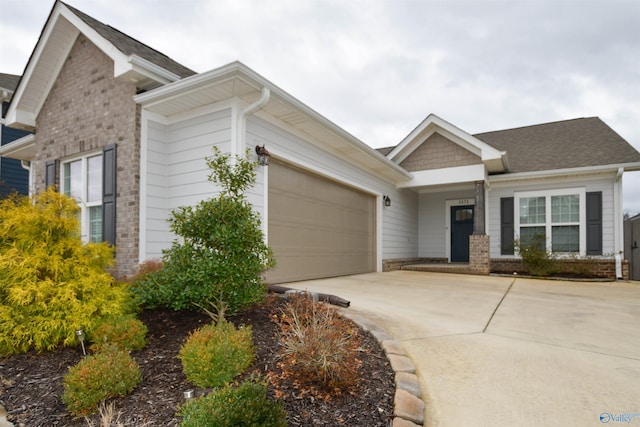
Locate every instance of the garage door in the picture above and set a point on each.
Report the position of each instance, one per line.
(317, 227)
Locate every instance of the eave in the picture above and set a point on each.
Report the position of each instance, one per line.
(565, 173)
(20, 149)
(236, 80)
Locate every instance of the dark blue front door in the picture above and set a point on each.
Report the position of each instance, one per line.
(461, 229)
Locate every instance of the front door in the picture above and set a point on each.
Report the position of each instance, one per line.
(461, 229)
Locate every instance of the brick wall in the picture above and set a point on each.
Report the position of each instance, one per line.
(594, 268)
(439, 152)
(86, 110)
(479, 253)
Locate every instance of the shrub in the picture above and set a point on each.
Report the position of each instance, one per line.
(234, 406)
(127, 332)
(146, 268)
(216, 353)
(535, 256)
(110, 373)
(221, 251)
(51, 284)
(318, 346)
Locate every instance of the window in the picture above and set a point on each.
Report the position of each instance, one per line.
(552, 218)
(82, 180)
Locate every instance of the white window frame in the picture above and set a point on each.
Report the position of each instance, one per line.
(83, 203)
(547, 194)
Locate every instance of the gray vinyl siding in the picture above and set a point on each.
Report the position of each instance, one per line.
(177, 173)
(432, 223)
(605, 185)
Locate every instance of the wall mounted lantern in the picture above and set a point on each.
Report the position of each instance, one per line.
(263, 155)
(387, 200)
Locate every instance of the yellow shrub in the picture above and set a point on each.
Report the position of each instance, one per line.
(51, 284)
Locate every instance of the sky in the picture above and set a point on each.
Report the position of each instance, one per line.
(377, 68)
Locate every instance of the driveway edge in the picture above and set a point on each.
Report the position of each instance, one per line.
(408, 406)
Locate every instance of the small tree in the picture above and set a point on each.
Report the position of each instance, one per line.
(220, 253)
(51, 284)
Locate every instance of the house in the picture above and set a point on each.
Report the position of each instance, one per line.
(125, 130)
(631, 242)
(14, 178)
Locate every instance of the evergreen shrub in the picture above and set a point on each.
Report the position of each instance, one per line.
(244, 405)
(220, 253)
(51, 283)
(216, 353)
(109, 373)
(125, 331)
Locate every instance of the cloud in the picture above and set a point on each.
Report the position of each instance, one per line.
(378, 67)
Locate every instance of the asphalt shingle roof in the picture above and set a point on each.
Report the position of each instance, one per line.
(130, 46)
(559, 145)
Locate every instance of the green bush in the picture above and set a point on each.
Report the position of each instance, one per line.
(221, 252)
(110, 373)
(245, 405)
(51, 284)
(216, 353)
(125, 331)
(319, 348)
(536, 258)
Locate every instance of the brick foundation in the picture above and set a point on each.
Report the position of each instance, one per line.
(586, 268)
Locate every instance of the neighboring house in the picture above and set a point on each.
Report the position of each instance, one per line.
(125, 130)
(632, 245)
(14, 177)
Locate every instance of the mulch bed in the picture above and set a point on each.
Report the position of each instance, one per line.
(31, 383)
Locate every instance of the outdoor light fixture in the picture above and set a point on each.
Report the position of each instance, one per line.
(188, 394)
(387, 200)
(263, 155)
(80, 335)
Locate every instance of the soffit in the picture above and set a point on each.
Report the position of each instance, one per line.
(238, 81)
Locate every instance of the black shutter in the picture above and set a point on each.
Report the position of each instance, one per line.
(594, 223)
(507, 226)
(50, 173)
(109, 194)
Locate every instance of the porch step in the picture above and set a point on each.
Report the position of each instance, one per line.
(458, 268)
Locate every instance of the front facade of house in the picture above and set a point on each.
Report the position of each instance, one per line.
(125, 131)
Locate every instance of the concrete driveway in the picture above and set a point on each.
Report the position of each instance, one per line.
(502, 351)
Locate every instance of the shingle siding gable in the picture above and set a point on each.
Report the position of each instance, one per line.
(438, 152)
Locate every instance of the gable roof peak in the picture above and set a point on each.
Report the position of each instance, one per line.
(494, 159)
(133, 61)
(129, 45)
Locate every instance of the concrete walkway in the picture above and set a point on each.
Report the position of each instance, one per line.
(502, 351)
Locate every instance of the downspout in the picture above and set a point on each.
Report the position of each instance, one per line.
(241, 124)
(618, 237)
(26, 165)
(239, 146)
